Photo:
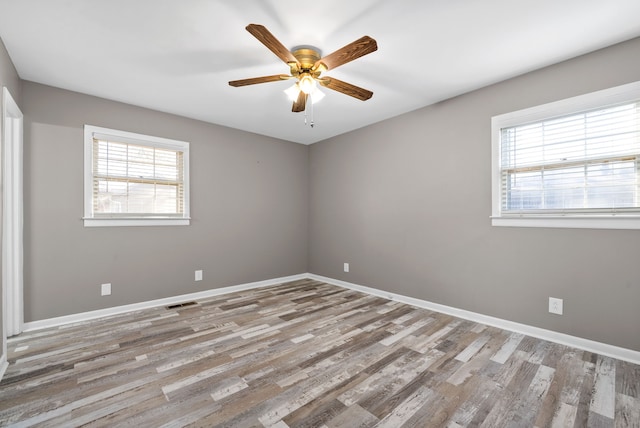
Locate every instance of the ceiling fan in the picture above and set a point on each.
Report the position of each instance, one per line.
(306, 65)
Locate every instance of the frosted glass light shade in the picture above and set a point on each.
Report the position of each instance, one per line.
(316, 95)
(307, 84)
(292, 92)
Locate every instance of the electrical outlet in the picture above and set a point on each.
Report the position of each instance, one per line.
(555, 305)
(105, 289)
(198, 275)
(346, 267)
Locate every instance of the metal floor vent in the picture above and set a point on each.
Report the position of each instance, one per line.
(181, 305)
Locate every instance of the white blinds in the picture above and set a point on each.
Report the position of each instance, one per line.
(136, 179)
(585, 162)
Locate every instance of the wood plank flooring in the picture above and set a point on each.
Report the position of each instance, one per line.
(307, 354)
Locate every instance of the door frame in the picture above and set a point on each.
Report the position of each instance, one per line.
(12, 219)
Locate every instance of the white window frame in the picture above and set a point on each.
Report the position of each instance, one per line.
(608, 97)
(129, 137)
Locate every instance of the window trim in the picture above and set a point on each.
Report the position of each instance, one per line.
(603, 98)
(90, 132)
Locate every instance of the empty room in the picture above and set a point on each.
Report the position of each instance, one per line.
(325, 214)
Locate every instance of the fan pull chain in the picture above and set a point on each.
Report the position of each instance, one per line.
(306, 107)
(312, 123)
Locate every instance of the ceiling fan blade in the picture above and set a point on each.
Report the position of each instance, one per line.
(256, 80)
(300, 104)
(354, 50)
(266, 38)
(346, 88)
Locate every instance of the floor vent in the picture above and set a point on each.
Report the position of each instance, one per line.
(181, 305)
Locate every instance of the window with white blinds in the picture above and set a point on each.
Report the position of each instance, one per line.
(575, 163)
(133, 179)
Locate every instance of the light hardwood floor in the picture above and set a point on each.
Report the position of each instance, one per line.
(307, 354)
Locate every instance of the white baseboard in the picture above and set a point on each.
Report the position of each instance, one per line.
(540, 333)
(3, 365)
(100, 313)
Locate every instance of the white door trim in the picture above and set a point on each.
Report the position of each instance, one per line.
(12, 220)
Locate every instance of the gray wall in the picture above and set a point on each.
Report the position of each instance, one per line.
(249, 208)
(407, 203)
(9, 78)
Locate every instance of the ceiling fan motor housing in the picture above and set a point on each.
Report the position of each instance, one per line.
(307, 57)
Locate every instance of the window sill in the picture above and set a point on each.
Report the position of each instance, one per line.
(111, 222)
(573, 222)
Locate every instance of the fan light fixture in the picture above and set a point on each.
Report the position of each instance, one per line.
(294, 90)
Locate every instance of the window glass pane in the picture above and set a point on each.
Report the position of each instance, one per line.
(563, 188)
(524, 191)
(111, 197)
(166, 199)
(140, 198)
(612, 185)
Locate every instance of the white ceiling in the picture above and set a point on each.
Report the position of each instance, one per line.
(177, 56)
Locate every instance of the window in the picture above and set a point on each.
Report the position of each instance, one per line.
(573, 163)
(134, 180)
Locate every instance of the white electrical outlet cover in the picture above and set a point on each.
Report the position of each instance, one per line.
(105, 289)
(555, 306)
(346, 267)
(198, 275)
